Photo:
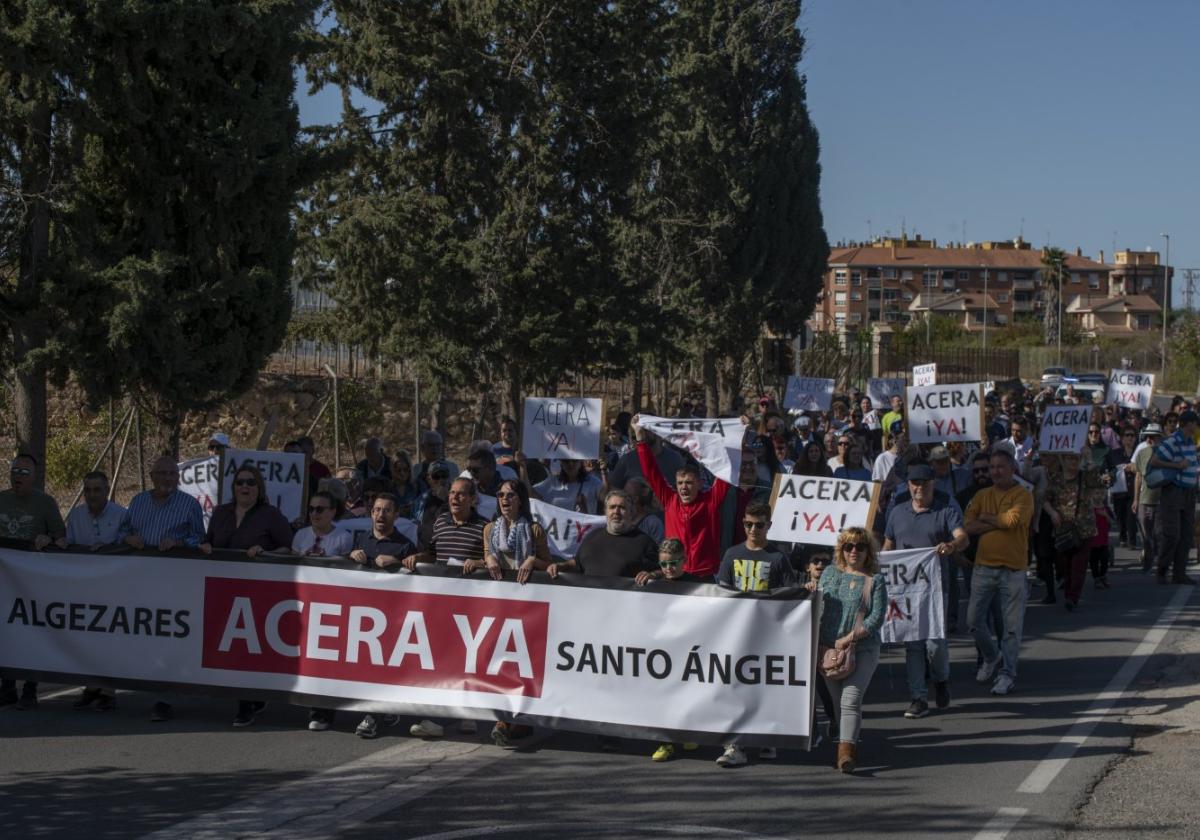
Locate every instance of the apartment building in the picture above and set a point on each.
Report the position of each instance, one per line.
(894, 280)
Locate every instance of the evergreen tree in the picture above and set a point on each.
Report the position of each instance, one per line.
(1054, 267)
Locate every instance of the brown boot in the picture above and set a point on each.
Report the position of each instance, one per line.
(846, 757)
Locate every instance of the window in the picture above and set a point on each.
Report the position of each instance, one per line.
(855, 317)
(1074, 279)
(855, 278)
(964, 275)
(1002, 297)
(929, 279)
(840, 319)
(1143, 322)
(979, 316)
(892, 294)
(1093, 280)
(1020, 275)
(856, 296)
(1147, 284)
(906, 275)
(1001, 276)
(873, 273)
(839, 277)
(908, 296)
(889, 274)
(839, 299)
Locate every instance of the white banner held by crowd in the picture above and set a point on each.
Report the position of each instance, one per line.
(924, 375)
(944, 413)
(562, 427)
(284, 473)
(804, 393)
(915, 609)
(1128, 389)
(1064, 428)
(199, 478)
(814, 509)
(716, 442)
(881, 391)
(703, 666)
(565, 529)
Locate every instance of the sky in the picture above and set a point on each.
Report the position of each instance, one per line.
(1074, 123)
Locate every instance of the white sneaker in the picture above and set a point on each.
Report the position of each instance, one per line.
(768, 754)
(426, 729)
(732, 757)
(1004, 684)
(467, 727)
(987, 670)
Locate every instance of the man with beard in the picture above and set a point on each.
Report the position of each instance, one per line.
(620, 550)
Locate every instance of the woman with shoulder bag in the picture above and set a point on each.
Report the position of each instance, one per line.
(1070, 506)
(854, 603)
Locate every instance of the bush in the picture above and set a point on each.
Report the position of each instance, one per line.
(70, 452)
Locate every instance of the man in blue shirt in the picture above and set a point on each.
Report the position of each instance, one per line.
(164, 517)
(97, 522)
(926, 520)
(1175, 528)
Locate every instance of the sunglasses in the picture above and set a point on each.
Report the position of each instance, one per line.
(669, 564)
(509, 495)
(842, 443)
(751, 526)
(21, 471)
(439, 476)
(979, 470)
(244, 482)
(860, 547)
(318, 508)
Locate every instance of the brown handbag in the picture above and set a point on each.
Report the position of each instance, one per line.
(839, 664)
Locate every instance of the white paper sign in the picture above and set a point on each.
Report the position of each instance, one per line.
(284, 473)
(814, 509)
(1128, 389)
(716, 442)
(881, 391)
(989, 386)
(199, 479)
(804, 393)
(925, 375)
(565, 529)
(915, 600)
(1064, 428)
(944, 413)
(566, 428)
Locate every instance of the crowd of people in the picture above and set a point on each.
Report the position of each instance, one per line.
(999, 514)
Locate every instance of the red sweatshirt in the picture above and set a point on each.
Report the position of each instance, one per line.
(697, 525)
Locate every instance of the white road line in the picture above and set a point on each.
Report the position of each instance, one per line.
(569, 829)
(330, 801)
(997, 827)
(1048, 768)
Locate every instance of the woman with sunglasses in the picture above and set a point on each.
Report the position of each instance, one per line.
(322, 537)
(252, 524)
(854, 603)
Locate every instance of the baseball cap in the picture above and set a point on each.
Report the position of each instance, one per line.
(1152, 429)
(939, 453)
(920, 472)
(219, 437)
(896, 427)
(438, 467)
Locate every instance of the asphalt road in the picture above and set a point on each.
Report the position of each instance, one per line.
(978, 770)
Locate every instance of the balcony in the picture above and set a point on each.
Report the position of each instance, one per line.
(1022, 306)
(1025, 285)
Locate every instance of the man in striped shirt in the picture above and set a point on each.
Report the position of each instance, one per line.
(1175, 528)
(164, 517)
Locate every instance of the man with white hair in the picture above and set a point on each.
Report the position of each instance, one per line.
(377, 464)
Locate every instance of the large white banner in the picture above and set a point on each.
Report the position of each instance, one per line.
(1064, 428)
(199, 478)
(565, 529)
(914, 584)
(944, 413)
(1129, 389)
(881, 391)
(804, 393)
(561, 427)
(813, 509)
(708, 664)
(716, 442)
(284, 473)
(924, 375)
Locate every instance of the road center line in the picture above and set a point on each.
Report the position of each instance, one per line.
(1048, 768)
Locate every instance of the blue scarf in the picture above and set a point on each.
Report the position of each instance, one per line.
(516, 541)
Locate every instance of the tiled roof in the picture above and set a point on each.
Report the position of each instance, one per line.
(965, 258)
(1125, 303)
(954, 302)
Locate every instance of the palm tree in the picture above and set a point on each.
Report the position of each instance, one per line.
(1054, 264)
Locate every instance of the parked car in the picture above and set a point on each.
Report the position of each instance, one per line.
(1095, 392)
(1052, 377)
(1096, 378)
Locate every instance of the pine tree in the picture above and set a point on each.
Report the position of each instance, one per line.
(1054, 265)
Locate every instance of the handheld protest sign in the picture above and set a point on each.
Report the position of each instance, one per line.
(804, 393)
(881, 391)
(914, 590)
(924, 375)
(562, 427)
(814, 509)
(565, 529)
(716, 442)
(1127, 389)
(198, 478)
(944, 413)
(1064, 428)
(285, 475)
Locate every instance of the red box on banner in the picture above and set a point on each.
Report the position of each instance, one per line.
(379, 636)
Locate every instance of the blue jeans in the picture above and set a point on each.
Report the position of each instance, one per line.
(937, 651)
(1011, 589)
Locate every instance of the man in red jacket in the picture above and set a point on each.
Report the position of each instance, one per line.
(692, 515)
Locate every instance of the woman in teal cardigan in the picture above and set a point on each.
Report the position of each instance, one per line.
(842, 587)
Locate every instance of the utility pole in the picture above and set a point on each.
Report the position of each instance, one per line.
(1191, 275)
(1166, 307)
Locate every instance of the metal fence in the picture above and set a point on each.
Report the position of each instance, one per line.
(304, 357)
(954, 364)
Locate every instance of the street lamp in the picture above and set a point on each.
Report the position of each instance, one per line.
(1162, 382)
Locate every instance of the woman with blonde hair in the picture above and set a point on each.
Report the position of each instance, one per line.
(853, 606)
